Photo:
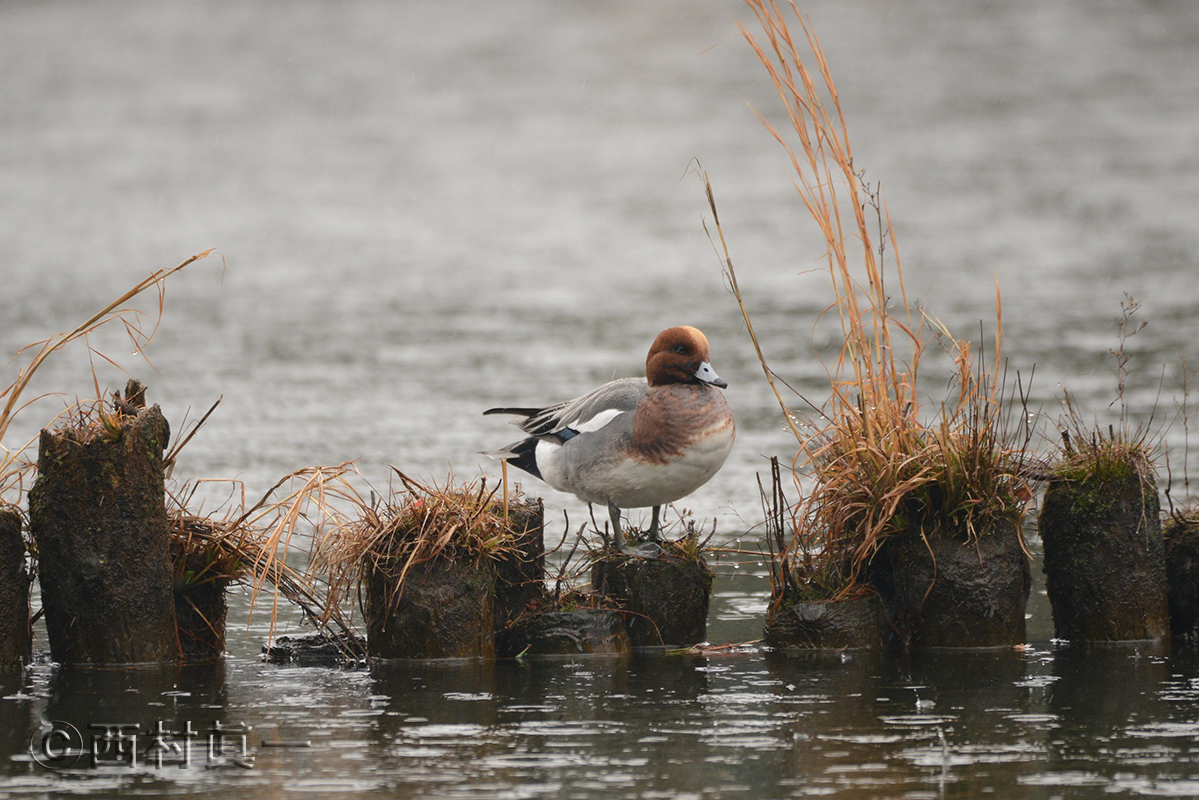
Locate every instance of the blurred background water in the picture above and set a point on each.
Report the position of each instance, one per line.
(423, 210)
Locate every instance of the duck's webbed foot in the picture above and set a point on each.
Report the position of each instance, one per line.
(647, 550)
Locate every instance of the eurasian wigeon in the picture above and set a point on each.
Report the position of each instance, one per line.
(633, 442)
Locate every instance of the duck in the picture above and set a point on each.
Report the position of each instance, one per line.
(633, 442)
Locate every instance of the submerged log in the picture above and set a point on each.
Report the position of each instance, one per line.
(320, 649)
(856, 624)
(444, 609)
(664, 600)
(583, 631)
(1181, 535)
(944, 588)
(16, 639)
(98, 516)
(1104, 557)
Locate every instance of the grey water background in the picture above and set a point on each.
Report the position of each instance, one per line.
(423, 210)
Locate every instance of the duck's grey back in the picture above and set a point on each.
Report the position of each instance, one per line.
(619, 395)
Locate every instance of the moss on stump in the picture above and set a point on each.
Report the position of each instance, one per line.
(1104, 557)
(664, 600)
(16, 639)
(98, 515)
(444, 610)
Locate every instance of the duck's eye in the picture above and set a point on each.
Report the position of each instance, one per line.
(681, 349)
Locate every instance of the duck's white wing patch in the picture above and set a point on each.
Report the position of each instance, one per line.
(615, 396)
(598, 421)
(619, 395)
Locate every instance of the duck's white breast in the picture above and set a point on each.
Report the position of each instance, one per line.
(638, 483)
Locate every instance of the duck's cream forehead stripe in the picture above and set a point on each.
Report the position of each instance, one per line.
(698, 335)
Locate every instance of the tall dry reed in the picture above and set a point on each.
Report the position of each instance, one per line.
(875, 464)
(15, 468)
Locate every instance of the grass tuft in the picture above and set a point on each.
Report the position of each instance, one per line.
(877, 465)
(251, 547)
(415, 526)
(1088, 452)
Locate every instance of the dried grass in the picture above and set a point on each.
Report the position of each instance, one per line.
(251, 546)
(408, 529)
(205, 550)
(875, 465)
(16, 470)
(316, 511)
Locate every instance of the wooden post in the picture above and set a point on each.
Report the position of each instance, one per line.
(16, 639)
(1105, 565)
(98, 515)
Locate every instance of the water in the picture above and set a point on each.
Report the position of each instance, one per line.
(426, 210)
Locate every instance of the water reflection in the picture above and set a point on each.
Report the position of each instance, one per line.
(20, 720)
(1101, 687)
(119, 711)
(968, 683)
(151, 726)
(1101, 692)
(949, 723)
(137, 693)
(432, 693)
(963, 723)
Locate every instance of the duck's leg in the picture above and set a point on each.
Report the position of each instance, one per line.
(653, 526)
(617, 534)
(647, 550)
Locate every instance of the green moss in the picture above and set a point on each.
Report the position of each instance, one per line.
(823, 580)
(1103, 457)
(1098, 495)
(1101, 471)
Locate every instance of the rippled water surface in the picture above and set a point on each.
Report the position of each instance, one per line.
(423, 210)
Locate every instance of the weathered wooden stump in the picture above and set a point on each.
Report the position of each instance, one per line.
(200, 611)
(520, 570)
(664, 600)
(1104, 556)
(584, 631)
(856, 624)
(443, 610)
(943, 588)
(98, 516)
(1181, 536)
(204, 561)
(16, 638)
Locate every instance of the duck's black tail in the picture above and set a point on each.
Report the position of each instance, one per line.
(520, 412)
(523, 455)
